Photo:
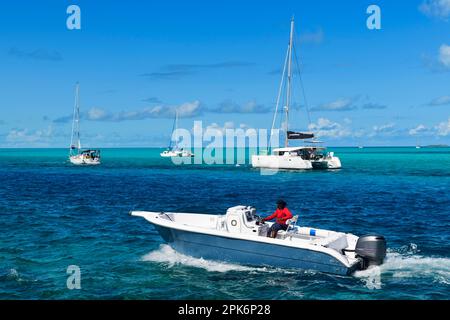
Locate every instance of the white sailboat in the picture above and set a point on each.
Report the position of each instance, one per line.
(77, 155)
(175, 151)
(301, 157)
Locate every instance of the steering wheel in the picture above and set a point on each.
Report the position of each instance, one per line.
(259, 220)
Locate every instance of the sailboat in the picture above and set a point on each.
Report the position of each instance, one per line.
(77, 155)
(311, 156)
(417, 144)
(175, 151)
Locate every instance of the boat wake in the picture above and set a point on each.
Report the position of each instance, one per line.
(398, 265)
(406, 264)
(165, 254)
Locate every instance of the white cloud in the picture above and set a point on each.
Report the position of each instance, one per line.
(440, 62)
(444, 55)
(444, 100)
(436, 8)
(189, 109)
(185, 110)
(329, 129)
(383, 130)
(21, 137)
(97, 114)
(417, 130)
(341, 104)
(443, 128)
(229, 106)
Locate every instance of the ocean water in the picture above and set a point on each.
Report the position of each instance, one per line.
(53, 215)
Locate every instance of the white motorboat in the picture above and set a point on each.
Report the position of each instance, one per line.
(302, 157)
(239, 236)
(77, 155)
(175, 151)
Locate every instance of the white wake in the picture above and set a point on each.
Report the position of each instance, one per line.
(396, 266)
(165, 254)
(409, 265)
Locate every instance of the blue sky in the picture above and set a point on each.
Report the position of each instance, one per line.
(219, 62)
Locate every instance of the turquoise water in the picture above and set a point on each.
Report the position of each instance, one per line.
(54, 215)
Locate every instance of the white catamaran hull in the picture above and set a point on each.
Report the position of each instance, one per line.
(327, 163)
(280, 162)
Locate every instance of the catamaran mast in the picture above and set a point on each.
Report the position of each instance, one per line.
(288, 96)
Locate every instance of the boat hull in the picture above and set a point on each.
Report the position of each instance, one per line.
(76, 160)
(328, 163)
(280, 162)
(250, 252)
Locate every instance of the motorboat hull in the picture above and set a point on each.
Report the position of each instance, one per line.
(252, 253)
(240, 237)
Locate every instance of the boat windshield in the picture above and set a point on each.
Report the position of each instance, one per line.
(91, 153)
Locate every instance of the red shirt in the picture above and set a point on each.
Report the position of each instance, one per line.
(281, 215)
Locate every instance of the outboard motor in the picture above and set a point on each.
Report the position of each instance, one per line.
(372, 249)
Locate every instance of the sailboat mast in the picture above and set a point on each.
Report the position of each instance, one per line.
(77, 119)
(75, 138)
(176, 126)
(288, 96)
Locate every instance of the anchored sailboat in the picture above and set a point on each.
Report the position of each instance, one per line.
(417, 144)
(301, 157)
(78, 156)
(175, 151)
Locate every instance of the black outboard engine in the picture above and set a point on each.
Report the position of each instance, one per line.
(372, 249)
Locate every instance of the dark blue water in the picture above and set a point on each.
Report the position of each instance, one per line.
(54, 215)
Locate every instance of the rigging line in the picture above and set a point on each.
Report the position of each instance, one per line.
(173, 129)
(302, 86)
(278, 98)
(74, 119)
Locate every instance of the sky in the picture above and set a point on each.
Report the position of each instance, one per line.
(220, 62)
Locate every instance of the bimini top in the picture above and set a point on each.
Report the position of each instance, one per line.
(91, 151)
(292, 135)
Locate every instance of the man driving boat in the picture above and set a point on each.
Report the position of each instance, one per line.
(282, 214)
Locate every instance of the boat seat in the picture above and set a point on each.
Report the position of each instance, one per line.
(336, 241)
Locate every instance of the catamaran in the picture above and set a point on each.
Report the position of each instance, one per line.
(302, 157)
(240, 236)
(77, 155)
(175, 151)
